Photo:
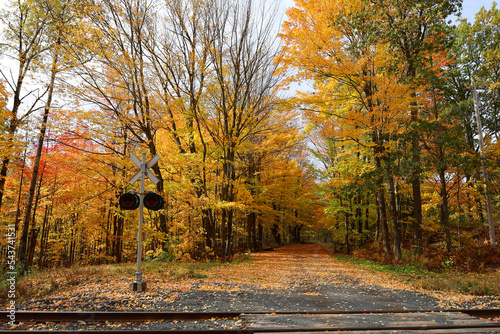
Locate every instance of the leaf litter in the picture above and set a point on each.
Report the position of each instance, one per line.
(291, 278)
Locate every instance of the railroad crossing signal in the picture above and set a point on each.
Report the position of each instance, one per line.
(151, 200)
(141, 199)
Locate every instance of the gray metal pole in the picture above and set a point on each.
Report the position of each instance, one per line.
(139, 284)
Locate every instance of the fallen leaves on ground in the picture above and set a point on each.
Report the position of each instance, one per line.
(300, 268)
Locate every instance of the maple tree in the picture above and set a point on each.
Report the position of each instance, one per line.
(483, 42)
(240, 94)
(24, 43)
(352, 73)
(490, 58)
(474, 51)
(179, 54)
(60, 18)
(413, 30)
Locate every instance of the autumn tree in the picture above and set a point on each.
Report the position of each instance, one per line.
(115, 73)
(179, 50)
(474, 60)
(357, 97)
(24, 44)
(413, 29)
(195, 82)
(241, 93)
(483, 41)
(486, 39)
(59, 16)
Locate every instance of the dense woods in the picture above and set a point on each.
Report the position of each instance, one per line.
(395, 147)
(393, 121)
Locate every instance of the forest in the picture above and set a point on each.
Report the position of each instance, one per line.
(394, 148)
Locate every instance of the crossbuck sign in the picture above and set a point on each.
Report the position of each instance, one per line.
(144, 168)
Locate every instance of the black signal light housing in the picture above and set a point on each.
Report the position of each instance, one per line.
(129, 201)
(153, 201)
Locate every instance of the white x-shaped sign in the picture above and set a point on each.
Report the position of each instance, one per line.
(144, 169)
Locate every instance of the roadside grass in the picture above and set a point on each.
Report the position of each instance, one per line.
(38, 284)
(447, 280)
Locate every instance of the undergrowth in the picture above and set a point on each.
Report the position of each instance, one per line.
(403, 271)
(38, 284)
(446, 279)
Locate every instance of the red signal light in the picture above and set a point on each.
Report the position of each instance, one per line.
(129, 201)
(153, 201)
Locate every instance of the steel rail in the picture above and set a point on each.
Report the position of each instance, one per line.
(372, 329)
(91, 316)
(96, 317)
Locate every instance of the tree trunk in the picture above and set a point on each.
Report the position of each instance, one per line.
(18, 208)
(359, 213)
(14, 123)
(416, 192)
(489, 208)
(367, 213)
(32, 245)
(33, 230)
(118, 236)
(396, 233)
(43, 238)
(381, 200)
(346, 236)
(260, 236)
(36, 164)
(251, 221)
(445, 216)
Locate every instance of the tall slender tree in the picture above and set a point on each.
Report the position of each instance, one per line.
(59, 17)
(413, 29)
(25, 44)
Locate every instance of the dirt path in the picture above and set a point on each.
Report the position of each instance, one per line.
(296, 267)
(291, 278)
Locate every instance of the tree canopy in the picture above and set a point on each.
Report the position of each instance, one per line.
(382, 152)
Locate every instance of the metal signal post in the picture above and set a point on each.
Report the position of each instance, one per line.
(138, 284)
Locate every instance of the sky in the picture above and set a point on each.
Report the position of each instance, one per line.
(469, 7)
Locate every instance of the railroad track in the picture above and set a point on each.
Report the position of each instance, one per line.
(431, 321)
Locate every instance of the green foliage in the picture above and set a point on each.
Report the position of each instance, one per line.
(400, 270)
(159, 255)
